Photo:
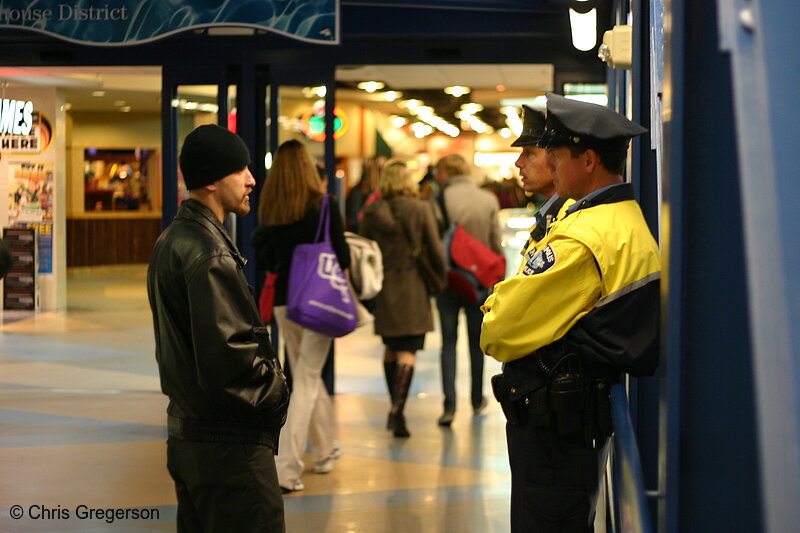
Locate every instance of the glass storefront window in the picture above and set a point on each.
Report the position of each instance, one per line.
(116, 179)
(197, 105)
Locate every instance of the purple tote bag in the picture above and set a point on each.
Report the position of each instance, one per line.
(319, 296)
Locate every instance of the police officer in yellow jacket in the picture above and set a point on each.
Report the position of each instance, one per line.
(583, 309)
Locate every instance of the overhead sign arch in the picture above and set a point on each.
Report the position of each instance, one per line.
(127, 22)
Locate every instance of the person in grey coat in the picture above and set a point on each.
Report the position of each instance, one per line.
(465, 203)
(405, 228)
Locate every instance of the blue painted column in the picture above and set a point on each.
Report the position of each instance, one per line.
(709, 476)
(761, 36)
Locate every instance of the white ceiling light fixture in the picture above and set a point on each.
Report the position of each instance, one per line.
(371, 86)
(471, 108)
(457, 90)
(315, 92)
(584, 29)
(512, 119)
(421, 129)
(194, 106)
(423, 111)
(412, 104)
(391, 96)
(398, 121)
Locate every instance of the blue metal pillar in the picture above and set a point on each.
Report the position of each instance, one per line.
(761, 36)
(709, 476)
(644, 393)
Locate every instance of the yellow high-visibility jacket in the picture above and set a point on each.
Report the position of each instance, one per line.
(592, 281)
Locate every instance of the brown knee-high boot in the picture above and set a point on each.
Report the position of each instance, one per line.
(401, 386)
(390, 371)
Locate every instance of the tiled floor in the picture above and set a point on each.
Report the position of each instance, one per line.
(82, 426)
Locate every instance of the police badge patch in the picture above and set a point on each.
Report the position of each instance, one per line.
(540, 262)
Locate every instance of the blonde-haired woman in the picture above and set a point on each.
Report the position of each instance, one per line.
(288, 214)
(405, 228)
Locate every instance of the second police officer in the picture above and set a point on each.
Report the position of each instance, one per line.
(537, 177)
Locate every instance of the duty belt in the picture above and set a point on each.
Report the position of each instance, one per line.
(550, 389)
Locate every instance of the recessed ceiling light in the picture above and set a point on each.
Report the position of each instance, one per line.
(371, 86)
(457, 90)
(397, 121)
(471, 107)
(411, 104)
(98, 93)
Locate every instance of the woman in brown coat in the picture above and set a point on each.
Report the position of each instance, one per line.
(405, 228)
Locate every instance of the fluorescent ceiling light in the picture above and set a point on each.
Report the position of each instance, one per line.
(457, 90)
(313, 92)
(471, 107)
(599, 99)
(584, 29)
(371, 86)
(398, 122)
(537, 102)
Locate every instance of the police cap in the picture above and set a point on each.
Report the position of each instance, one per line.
(572, 122)
(532, 127)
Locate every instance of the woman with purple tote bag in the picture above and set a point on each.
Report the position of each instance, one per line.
(293, 213)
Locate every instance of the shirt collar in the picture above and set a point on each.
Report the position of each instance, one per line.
(586, 201)
(548, 204)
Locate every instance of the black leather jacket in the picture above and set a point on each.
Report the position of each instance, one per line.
(215, 360)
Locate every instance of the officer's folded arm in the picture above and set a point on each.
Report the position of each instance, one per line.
(526, 312)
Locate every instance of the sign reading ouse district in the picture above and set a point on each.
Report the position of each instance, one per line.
(119, 22)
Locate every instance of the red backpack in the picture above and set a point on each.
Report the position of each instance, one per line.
(472, 267)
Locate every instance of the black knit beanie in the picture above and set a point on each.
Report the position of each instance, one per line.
(210, 153)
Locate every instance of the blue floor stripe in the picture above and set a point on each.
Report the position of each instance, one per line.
(299, 504)
(38, 349)
(495, 462)
(30, 429)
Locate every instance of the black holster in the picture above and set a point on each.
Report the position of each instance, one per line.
(524, 402)
(556, 394)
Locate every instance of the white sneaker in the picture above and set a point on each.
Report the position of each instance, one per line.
(294, 487)
(326, 465)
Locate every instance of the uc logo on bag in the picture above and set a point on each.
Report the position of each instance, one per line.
(328, 268)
